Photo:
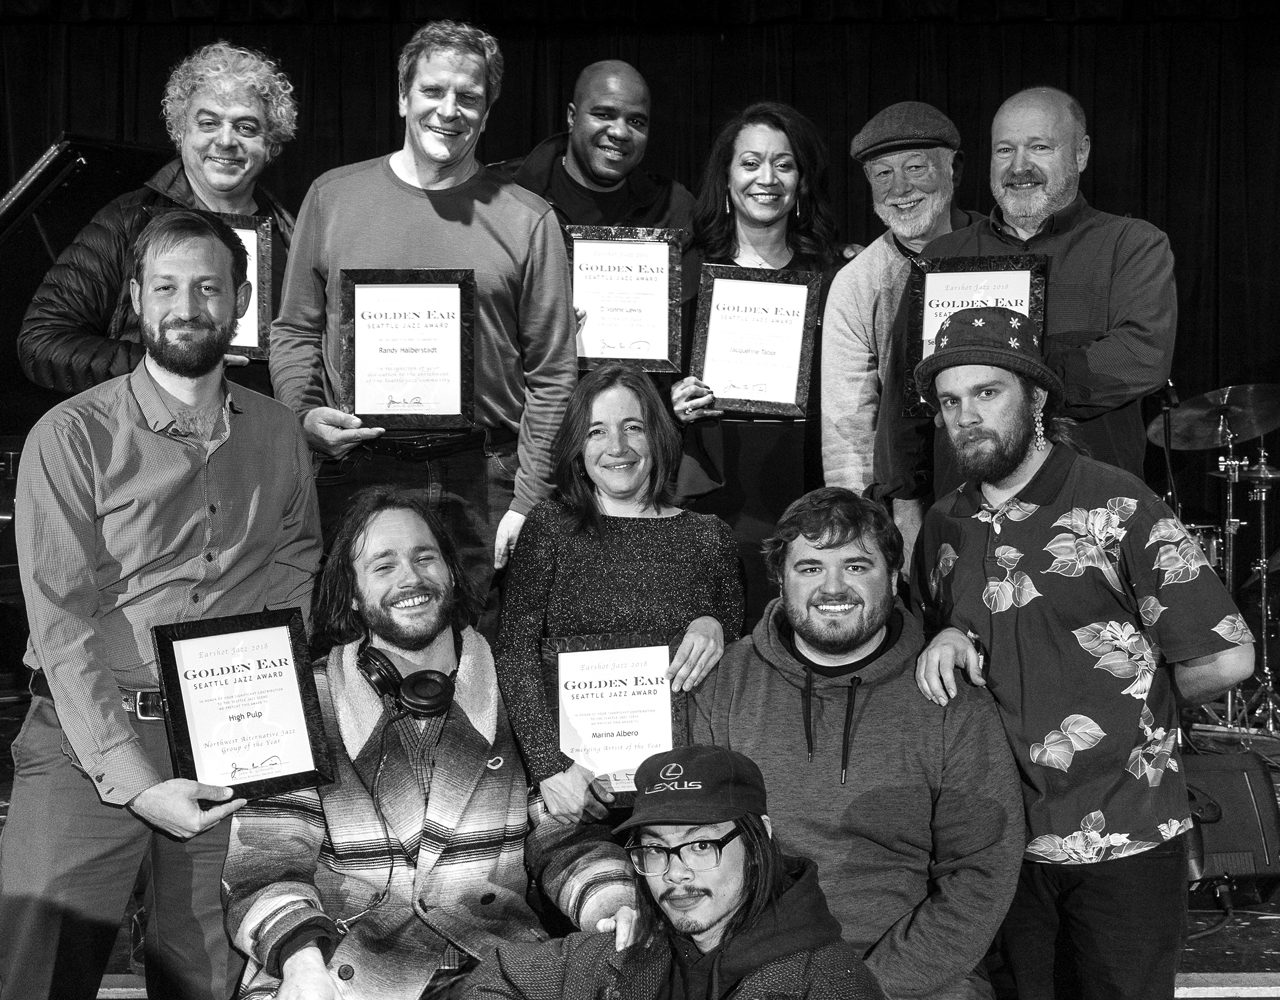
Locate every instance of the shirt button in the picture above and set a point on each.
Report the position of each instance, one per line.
(195, 598)
(487, 898)
(345, 972)
(208, 557)
(213, 508)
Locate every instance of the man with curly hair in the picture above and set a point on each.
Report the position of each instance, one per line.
(1095, 614)
(228, 110)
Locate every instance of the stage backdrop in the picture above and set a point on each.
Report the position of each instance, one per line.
(1181, 96)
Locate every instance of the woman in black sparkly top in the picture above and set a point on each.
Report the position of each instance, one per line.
(610, 553)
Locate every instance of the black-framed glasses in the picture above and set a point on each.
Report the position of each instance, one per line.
(696, 855)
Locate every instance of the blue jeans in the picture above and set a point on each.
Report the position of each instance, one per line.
(470, 490)
(68, 863)
(1101, 931)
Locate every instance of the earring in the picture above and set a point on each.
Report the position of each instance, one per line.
(1040, 442)
(727, 209)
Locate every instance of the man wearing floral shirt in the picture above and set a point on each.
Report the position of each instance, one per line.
(1092, 612)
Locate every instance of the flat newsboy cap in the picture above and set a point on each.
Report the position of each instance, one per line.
(696, 785)
(901, 126)
(990, 335)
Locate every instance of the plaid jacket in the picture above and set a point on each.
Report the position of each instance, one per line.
(457, 866)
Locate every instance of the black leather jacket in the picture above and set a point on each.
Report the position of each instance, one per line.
(80, 328)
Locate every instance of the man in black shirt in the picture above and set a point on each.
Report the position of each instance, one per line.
(589, 174)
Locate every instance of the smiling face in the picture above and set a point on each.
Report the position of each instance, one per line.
(990, 419)
(616, 453)
(837, 599)
(608, 128)
(764, 177)
(445, 110)
(699, 904)
(911, 191)
(405, 592)
(1037, 154)
(224, 146)
(187, 305)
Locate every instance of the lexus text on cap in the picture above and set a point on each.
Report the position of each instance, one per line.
(902, 126)
(989, 335)
(696, 785)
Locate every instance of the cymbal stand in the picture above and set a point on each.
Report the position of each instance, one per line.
(1230, 466)
(1265, 696)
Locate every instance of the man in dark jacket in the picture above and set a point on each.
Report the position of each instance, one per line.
(590, 174)
(912, 813)
(228, 111)
(721, 912)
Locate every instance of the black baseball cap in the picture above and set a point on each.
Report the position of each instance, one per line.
(696, 785)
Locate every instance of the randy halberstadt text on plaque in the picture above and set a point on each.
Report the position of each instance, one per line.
(753, 339)
(407, 337)
(615, 702)
(627, 285)
(241, 705)
(940, 286)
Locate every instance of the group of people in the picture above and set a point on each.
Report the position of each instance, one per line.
(911, 680)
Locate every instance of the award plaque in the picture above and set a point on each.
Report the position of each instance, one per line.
(408, 348)
(253, 329)
(615, 702)
(627, 281)
(753, 339)
(240, 703)
(939, 286)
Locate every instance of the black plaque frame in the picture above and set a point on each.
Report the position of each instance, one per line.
(681, 721)
(163, 638)
(702, 328)
(260, 224)
(914, 402)
(465, 279)
(628, 234)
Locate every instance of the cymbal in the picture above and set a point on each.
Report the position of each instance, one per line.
(1245, 411)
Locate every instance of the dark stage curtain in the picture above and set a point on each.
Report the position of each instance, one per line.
(1181, 95)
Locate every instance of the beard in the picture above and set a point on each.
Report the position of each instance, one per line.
(998, 462)
(196, 353)
(1029, 209)
(380, 618)
(836, 638)
(925, 216)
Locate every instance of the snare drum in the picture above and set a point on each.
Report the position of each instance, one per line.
(1209, 538)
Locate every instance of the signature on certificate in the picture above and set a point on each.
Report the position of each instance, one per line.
(635, 345)
(734, 386)
(237, 770)
(412, 401)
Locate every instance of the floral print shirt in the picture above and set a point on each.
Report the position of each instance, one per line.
(1080, 590)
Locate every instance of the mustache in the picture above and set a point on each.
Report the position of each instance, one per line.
(1022, 176)
(674, 893)
(201, 323)
(426, 590)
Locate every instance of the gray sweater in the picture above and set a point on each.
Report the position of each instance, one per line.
(918, 851)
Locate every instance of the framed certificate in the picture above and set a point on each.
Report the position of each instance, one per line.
(253, 330)
(240, 703)
(939, 286)
(616, 706)
(753, 339)
(627, 281)
(408, 347)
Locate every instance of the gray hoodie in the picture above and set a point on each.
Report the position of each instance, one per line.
(918, 849)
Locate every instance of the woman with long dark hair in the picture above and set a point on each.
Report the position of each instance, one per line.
(610, 552)
(763, 204)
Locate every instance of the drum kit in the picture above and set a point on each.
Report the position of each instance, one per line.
(1224, 419)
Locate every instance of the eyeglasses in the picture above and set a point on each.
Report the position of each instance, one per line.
(696, 855)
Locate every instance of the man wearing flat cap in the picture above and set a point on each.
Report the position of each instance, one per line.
(911, 155)
(720, 910)
(1111, 309)
(1074, 595)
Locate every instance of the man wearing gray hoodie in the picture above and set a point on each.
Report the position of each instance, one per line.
(912, 812)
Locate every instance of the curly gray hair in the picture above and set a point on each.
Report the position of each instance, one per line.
(229, 69)
(453, 36)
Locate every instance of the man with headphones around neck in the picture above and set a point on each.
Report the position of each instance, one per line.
(398, 878)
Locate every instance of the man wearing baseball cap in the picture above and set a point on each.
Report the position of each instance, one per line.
(911, 155)
(1069, 590)
(720, 910)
